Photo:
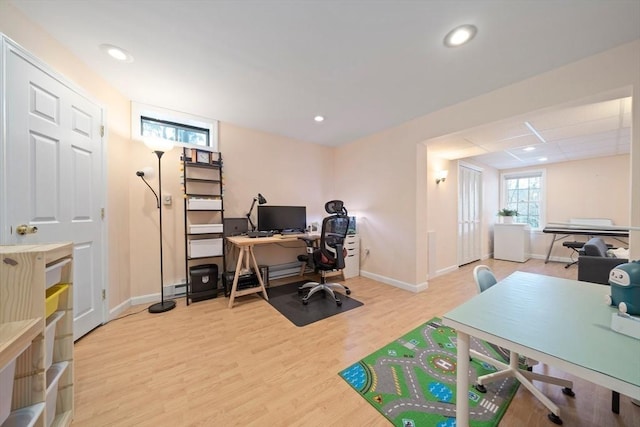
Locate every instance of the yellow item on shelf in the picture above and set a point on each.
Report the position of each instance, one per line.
(53, 294)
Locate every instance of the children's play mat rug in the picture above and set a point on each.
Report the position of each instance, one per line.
(412, 381)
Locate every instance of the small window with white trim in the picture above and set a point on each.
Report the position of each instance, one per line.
(524, 193)
(185, 130)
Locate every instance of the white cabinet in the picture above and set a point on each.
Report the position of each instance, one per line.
(511, 242)
(352, 261)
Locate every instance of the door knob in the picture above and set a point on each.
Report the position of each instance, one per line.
(26, 229)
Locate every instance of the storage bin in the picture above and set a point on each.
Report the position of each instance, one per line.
(204, 204)
(52, 298)
(204, 282)
(6, 389)
(50, 337)
(53, 273)
(205, 228)
(205, 248)
(53, 376)
(24, 417)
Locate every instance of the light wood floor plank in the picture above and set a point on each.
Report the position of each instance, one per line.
(207, 365)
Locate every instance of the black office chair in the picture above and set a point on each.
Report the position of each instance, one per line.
(329, 256)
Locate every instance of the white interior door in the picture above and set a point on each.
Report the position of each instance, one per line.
(469, 209)
(53, 174)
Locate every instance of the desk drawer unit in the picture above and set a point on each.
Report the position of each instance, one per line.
(352, 261)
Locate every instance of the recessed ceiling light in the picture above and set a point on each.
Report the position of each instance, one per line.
(529, 149)
(542, 159)
(460, 35)
(116, 52)
(319, 119)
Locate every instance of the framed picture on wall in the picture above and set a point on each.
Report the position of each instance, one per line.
(202, 157)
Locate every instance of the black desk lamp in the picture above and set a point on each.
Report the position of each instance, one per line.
(159, 146)
(261, 201)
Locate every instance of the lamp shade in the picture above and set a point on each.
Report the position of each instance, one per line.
(147, 172)
(158, 144)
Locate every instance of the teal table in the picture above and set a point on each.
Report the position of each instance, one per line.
(560, 322)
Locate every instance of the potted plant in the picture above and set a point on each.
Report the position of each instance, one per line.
(507, 215)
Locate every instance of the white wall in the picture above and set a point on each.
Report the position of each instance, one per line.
(387, 186)
(385, 178)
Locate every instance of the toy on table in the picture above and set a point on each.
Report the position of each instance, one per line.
(625, 288)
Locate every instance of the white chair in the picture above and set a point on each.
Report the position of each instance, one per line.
(485, 279)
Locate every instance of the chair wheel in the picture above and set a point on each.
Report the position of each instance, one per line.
(338, 302)
(480, 388)
(567, 391)
(348, 291)
(554, 418)
(305, 302)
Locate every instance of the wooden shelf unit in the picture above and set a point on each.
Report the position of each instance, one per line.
(22, 323)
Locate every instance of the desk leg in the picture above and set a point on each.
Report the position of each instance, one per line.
(462, 394)
(615, 402)
(258, 273)
(546, 260)
(234, 287)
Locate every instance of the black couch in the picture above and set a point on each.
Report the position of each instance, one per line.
(594, 264)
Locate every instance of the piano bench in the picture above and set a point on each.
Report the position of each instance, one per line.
(573, 245)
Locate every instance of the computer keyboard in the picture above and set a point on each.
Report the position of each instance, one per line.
(259, 234)
(291, 232)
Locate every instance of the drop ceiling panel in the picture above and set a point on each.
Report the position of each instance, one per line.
(513, 143)
(587, 128)
(496, 132)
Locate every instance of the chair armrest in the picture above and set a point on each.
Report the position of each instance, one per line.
(596, 269)
(309, 241)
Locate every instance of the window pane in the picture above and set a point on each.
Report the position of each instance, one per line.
(174, 131)
(523, 193)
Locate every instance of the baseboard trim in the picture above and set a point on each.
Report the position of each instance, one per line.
(396, 283)
(119, 309)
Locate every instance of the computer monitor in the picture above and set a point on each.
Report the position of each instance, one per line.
(279, 218)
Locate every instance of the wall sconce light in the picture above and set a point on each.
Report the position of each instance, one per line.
(441, 176)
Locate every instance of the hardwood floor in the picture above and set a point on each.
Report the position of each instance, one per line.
(207, 365)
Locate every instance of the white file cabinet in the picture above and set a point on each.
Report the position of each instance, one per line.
(352, 261)
(511, 242)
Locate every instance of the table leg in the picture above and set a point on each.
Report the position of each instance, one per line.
(462, 394)
(615, 402)
(234, 287)
(546, 260)
(258, 273)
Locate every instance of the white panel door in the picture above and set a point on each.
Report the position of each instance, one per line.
(469, 208)
(54, 177)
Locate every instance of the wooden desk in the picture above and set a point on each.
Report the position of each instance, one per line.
(561, 322)
(245, 246)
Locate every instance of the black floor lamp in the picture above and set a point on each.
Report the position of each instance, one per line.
(159, 146)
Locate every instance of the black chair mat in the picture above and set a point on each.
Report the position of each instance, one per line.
(288, 302)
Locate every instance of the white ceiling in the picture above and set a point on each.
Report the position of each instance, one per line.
(272, 65)
(600, 127)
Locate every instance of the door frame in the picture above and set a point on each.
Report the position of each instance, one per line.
(6, 44)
